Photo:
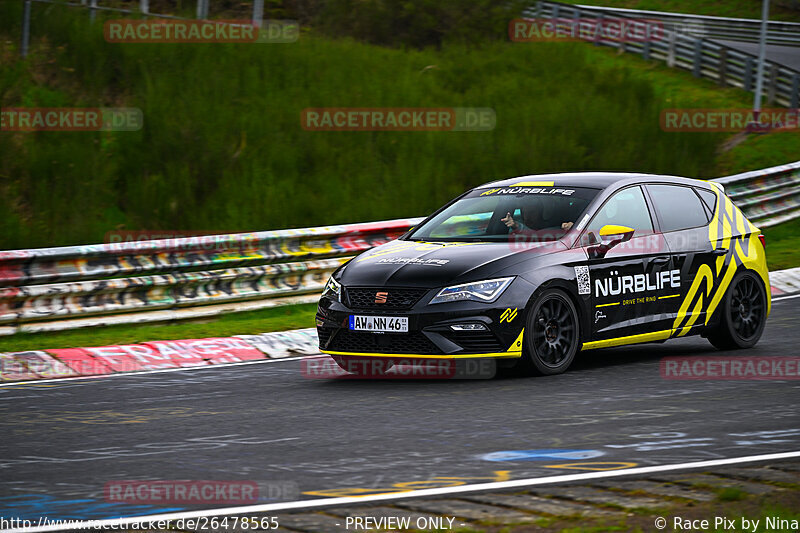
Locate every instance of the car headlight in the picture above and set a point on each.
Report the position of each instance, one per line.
(485, 291)
(333, 288)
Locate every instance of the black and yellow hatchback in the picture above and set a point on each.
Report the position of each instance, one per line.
(528, 271)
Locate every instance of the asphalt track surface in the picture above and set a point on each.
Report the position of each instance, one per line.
(784, 55)
(63, 441)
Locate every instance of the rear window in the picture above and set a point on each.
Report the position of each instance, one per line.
(709, 198)
(678, 207)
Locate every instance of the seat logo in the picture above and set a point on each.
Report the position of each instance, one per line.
(508, 315)
(380, 297)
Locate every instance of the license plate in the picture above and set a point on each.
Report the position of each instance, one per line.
(390, 324)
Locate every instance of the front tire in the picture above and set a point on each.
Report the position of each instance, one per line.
(552, 335)
(744, 314)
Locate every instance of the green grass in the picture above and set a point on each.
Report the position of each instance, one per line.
(779, 10)
(782, 245)
(598, 529)
(761, 151)
(730, 494)
(739, 153)
(222, 148)
(245, 323)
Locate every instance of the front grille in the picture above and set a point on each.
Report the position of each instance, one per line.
(324, 334)
(366, 342)
(364, 297)
(476, 341)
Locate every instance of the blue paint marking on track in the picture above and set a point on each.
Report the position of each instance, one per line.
(541, 455)
(34, 506)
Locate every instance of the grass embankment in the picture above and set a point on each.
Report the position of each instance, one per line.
(223, 149)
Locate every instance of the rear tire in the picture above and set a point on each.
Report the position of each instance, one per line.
(552, 335)
(743, 314)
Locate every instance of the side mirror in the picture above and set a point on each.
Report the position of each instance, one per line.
(610, 236)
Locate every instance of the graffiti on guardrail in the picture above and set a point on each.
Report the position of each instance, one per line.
(44, 265)
(767, 197)
(152, 292)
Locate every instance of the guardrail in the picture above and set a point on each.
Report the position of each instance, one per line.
(712, 27)
(69, 287)
(707, 59)
(75, 286)
(767, 197)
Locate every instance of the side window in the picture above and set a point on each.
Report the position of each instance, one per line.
(625, 208)
(709, 198)
(678, 207)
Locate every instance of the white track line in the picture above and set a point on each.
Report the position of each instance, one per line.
(779, 298)
(45, 381)
(328, 502)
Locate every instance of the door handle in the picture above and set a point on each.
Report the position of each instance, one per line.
(661, 260)
(720, 251)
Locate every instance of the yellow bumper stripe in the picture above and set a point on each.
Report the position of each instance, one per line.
(630, 339)
(426, 356)
(515, 350)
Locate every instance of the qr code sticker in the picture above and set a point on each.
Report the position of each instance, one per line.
(582, 275)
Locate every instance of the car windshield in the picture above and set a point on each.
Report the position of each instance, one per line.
(496, 214)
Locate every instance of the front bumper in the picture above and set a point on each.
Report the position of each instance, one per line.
(429, 335)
